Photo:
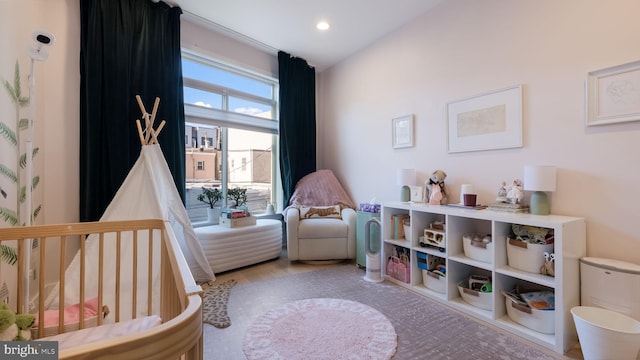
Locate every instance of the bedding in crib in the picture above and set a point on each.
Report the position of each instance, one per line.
(103, 332)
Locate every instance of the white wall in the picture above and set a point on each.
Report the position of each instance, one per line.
(56, 130)
(466, 47)
(61, 111)
(57, 80)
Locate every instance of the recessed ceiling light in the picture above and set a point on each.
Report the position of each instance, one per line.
(323, 25)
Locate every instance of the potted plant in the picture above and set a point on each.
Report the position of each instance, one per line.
(238, 196)
(211, 196)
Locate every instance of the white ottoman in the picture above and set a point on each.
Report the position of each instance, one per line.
(231, 248)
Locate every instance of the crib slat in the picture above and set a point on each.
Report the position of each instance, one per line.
(118, 277)
(43, 263)
(83, 264)
(20, 276)
(63, 260)
(150, 272)
(134, 292)
(100, 274)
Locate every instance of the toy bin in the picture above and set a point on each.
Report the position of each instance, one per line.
(399, 268)
(541, 321)
(527, 256)
(476, 298)
(478, 247)
(434, 281)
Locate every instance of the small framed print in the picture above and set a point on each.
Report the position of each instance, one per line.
(613, 94)
(416, 193)
(402, 132)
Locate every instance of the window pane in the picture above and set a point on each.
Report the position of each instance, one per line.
(250, 167)
(202, 167)
(250, 154)
(202, 98)
(250, 108)
(194, 70)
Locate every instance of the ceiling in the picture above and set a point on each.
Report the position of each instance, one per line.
(290, 25)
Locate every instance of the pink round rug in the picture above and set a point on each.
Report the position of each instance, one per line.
(321, 329)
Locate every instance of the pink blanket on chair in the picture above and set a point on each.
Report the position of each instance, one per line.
(320, 188)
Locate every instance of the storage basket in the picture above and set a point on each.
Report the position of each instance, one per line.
(407, 232)
(541, 321)
(477, 250)
(399, 268)
(526, 256)
(434, 281)
(478, 299)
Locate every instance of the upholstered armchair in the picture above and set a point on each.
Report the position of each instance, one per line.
(321, 237)
(320, 220)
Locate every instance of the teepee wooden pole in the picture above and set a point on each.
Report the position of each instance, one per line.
(147, 135)
(155, 109)
(155, 133)
(142, 142)
(141, 105)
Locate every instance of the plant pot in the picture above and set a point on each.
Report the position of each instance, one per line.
(213, 216)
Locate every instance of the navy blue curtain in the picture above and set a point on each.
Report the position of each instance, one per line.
(128, 48)
(297, 121)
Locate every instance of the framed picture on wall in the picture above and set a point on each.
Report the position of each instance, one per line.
(488, 121)
(613, 94)
(402, 132)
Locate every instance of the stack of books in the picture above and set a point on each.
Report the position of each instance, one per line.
(236, 217)
(397, 224)
(234, 213)
(507, 207)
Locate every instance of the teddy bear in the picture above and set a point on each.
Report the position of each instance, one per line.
(436, 196)
(14, 327)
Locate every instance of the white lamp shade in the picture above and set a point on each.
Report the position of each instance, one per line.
(406, 177)
(539, 178)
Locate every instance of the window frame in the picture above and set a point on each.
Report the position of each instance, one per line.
(225, 119)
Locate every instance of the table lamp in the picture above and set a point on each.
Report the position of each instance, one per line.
(406, 178)
(539, 178)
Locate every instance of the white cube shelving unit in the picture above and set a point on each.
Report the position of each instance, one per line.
(569, 247)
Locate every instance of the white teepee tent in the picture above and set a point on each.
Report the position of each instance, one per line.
(148, 192)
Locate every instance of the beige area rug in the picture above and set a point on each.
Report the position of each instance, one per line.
(215, 302)
(321, 328)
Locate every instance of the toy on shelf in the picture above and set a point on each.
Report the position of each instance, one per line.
(435, 189)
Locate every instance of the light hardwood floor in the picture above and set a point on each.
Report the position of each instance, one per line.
(271, 269)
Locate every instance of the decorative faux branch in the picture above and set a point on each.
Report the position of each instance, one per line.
(14, 91)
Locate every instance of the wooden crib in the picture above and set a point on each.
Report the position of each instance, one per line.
(178, 297)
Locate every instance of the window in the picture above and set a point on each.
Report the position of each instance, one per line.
(232, 123)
